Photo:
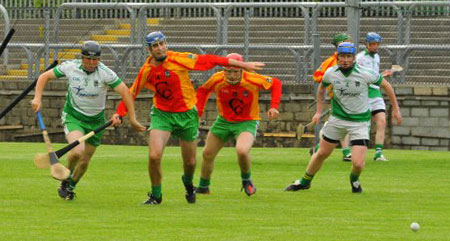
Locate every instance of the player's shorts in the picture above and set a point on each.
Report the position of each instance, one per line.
(335, 129)
(226, 130)
(377, 105)
(183, 125)
(79, 122)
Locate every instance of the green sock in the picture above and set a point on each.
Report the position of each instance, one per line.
(156, 191)
(72, 183)
(354, 177)
(306, 179)
(378, 149)
(346, 151)
(204, 182)
(187, 179)
(316, 148)
(246, 176)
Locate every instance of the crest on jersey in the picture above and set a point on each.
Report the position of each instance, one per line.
(167, 73)
(245, 93)
(357, 83)
(191, 56)
(269, 80)
(96, 83)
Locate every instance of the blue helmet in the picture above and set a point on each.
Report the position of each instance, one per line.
(346, 48)
(156, 36)
(373, 37)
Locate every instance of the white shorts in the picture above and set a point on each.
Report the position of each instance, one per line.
(336, 129)
(377, 103)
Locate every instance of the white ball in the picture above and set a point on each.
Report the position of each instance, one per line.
(414, 226)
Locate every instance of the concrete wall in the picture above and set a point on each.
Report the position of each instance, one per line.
(425, 111)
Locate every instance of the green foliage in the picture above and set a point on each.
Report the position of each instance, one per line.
(412, 187)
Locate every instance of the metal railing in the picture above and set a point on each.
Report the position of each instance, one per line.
(302, 54)
(32, 9)
(6, 27)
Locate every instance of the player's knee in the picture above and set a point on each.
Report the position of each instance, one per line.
(241, 152)
(207, 154)
(83, 163)
(358, 165)
(381, 122)
(322, 153)
(75, 154)
(155, 157)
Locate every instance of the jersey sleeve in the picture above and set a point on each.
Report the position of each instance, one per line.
(111, 78)
(192, 61)
(61, 70)
(326, 78)
(373, 77)
(137, 86)
(204, 91)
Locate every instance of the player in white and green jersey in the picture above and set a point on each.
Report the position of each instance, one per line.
(369, 58)
(88, 81)
(350, 114)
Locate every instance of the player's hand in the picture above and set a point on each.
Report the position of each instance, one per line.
(36, 104)
(252, 66)
(316, 118)
(387, 73)
(396, 117)
(272, 114)
(116, 120)
(137, 126)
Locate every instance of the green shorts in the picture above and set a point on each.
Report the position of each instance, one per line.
(84, 124)
(226, 130)
(183, 125)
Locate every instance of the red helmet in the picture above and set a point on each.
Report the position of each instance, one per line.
(234, 56)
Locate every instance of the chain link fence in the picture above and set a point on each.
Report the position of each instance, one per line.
(277, 33)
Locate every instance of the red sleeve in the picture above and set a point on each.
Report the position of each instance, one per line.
(275, 92)
(134, 90)
(208, 61)
(202, 97)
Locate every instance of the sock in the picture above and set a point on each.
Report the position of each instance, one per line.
(246, 176)
(204, 182)
(306, 179)
(316, 147)
(346, 151)
(187, 179)
(156, 191)
(379, 149)
(354, 177)
(72, 183)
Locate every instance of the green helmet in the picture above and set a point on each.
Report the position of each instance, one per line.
(339, 38)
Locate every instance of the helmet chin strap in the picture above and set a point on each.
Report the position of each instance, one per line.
(161, 59)
(233, 82)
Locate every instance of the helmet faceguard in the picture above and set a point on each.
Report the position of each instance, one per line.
(237, 57)
(346, 48)
(153, 37)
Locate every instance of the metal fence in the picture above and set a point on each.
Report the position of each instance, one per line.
(281, 37)
(34, 9)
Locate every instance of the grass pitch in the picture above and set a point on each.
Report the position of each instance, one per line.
(413, 187)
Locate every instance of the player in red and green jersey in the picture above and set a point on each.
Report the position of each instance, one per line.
(173, 111)
(237, 93)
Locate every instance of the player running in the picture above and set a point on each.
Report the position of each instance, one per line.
(84, 110)
(173, 112)
(237, 94)
(369, 58)
(318, 76)
(350, 114)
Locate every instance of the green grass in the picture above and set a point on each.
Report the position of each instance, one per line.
(413, 187)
